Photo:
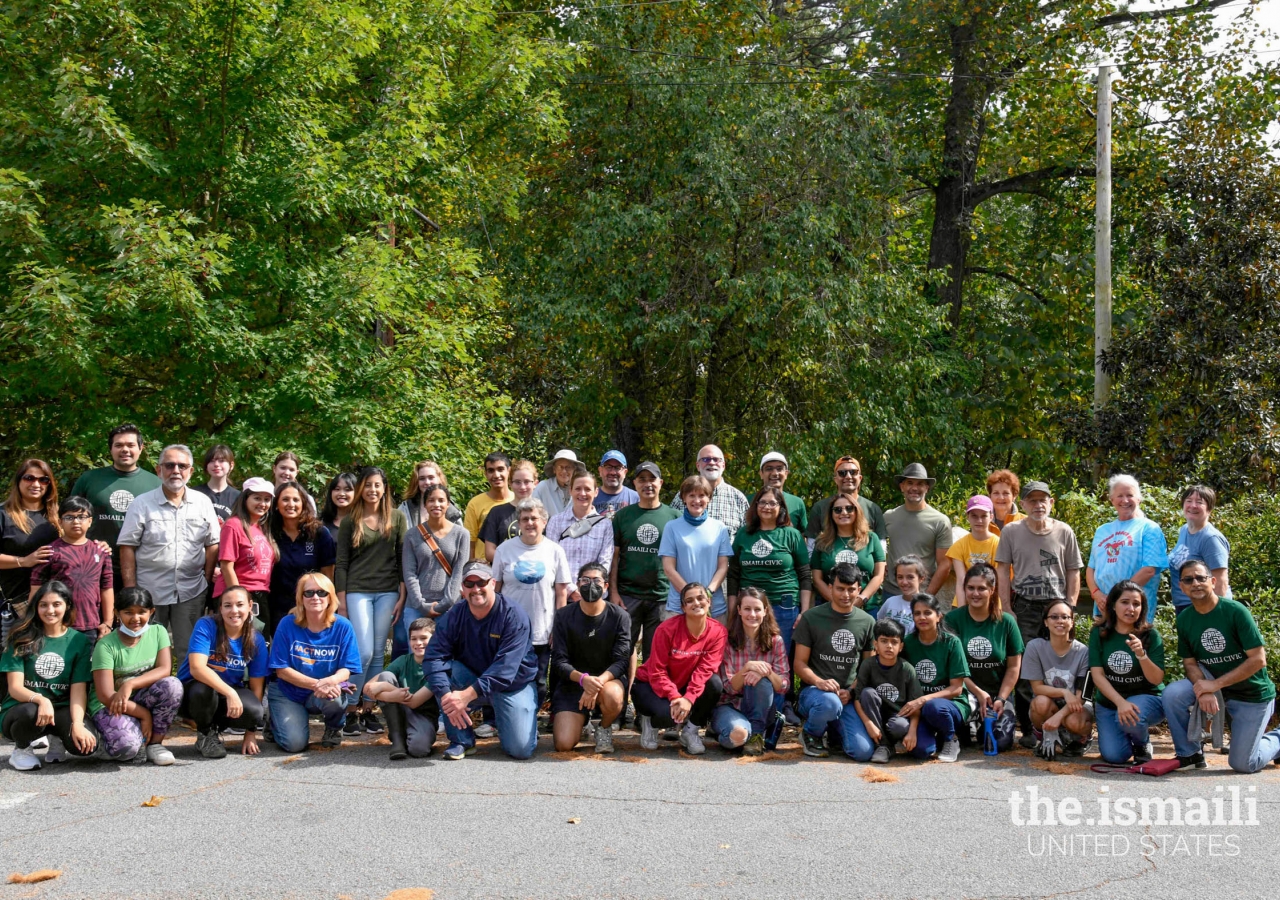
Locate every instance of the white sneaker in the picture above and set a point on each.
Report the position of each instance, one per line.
(40, 743)
(648, 734)
(950, 751)
(57, 751)
(485, 730)
(691, 741)
(23, 759)
(159, 754)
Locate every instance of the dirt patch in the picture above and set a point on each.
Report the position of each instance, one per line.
(34, 877)
(877, 776)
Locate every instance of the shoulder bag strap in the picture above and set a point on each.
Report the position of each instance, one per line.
(435, 549)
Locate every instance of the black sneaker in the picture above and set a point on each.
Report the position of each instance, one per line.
(370, 722)
(352, 726)
(1195, 759)
(812, 745)
(1074, 748)
(332, 738)
(1143, 754)
(1028, 741)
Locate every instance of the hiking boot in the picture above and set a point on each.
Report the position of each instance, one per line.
(604, 740)
(754, 745)
(812, 745)
(332, 738)
(210, 745)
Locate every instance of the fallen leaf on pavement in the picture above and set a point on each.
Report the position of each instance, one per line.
(871, 776)
(724, 846)
(154, 801)
(411, 894)
(34, 877)
(574, 821)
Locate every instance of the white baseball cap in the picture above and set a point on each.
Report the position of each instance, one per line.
(772, 456)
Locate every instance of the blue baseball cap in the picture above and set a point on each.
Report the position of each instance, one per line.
(614, 456)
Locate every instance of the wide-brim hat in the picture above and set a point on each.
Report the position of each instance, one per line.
(915, 471)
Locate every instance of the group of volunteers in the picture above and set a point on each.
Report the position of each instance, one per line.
(140, 600)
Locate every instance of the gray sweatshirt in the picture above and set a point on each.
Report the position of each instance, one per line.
(425, 582)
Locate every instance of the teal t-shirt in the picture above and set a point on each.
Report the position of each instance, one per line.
(126, 662)
(987, 646)
(937, 663)
(60, 663)
(1218, 640)
(1121, 667)
(408, 673)
(769, 560)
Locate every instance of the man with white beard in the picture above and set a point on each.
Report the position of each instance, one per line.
(728, 504)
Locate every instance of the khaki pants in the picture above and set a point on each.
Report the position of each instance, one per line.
(180, 619)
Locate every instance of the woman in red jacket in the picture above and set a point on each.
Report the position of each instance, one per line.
(678, 684)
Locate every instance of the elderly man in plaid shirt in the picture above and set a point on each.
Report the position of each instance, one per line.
(728, 504)
(585, 535)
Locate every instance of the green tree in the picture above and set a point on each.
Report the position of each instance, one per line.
(260, 223)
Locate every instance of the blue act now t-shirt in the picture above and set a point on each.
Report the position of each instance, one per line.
(697, 550)
(1119, 549)
(314, 654)
(1208, 545)
(233, 668)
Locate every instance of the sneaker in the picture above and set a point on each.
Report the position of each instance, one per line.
(1030, 740)
(604, 740)
(950, 751)
(1074, 748)
(160, 755)
(691, 741)
(485, 730)
(210, 745)
(458, 751)
(616, 726)
(630, 714)
(881, 755)
(24, 759)
(812, 745)
(371, 723)
(899, 748)
(1195, 759)
(352, 726)
(1143, 754)
(42, 743)
(754, 745)
(332, 738)
(648, 735)
(57, 751)
(589, 732)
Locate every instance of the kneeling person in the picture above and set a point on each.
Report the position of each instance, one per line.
(401, 690)
(885, 683)
(590, 656)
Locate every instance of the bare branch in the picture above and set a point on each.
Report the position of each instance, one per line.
(1154, 15)
(1026, 183)
(1005, 276)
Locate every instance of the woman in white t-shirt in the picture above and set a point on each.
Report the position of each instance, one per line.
(1057, 667)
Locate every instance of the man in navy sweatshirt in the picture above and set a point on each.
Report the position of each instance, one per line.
(482, 654)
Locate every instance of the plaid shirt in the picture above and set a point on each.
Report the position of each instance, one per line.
(596, 546)
(736, 659)
(728, 504)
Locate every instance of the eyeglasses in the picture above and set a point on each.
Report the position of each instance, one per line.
(767, 504)
(1194, 579)
(475, 582)
(316, 592)
(589, 580)
(841, 510)
(40, 479)
(175, 467)
(708, 460)
(847, 473)
(77, 517)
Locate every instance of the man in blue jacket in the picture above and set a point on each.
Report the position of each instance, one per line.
(482, 654)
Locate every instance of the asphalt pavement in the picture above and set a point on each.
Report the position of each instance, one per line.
(348, 823)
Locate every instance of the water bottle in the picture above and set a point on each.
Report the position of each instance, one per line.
(989, 747)
(773, 730)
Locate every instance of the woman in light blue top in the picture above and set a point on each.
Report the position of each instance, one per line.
(1130, 548)
(1200, 541)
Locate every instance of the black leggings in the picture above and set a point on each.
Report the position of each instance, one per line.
(208, 708)
(20, 726)
(648, 703)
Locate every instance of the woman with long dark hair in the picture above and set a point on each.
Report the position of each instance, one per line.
(246, 552)
(338, 497)
(993, 650)
(369, 582)
(941, 670)
(28, 525)
(754, 672)
(1057, 667)
(303, 545)
(846, 536)
(38, 703)
(1126, 657)
(771, 555)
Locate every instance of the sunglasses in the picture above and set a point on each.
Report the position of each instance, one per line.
(316, 592)
(475, 582)
(1194, 579)
(175, 467)
(847, 473)
(841, 510)
(40, 479)
(707, 460)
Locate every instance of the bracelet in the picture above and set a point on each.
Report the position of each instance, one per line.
(581, 675)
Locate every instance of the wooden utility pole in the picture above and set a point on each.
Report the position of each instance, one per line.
(1102, 243)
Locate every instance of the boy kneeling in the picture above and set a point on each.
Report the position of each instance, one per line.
(401, 690)
(885, 682)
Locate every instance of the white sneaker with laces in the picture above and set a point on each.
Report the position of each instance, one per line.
(950, 751)
(160, 755)
(23, 759)
(648, 734)
(691, 741)
(485, 730)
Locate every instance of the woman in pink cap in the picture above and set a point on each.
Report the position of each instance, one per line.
(979, 545)
(246, 551)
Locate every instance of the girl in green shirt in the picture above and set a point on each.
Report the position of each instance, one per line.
(46, 666)
(941, 670)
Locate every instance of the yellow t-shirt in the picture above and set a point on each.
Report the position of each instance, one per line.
(971, 552)
(473, 519)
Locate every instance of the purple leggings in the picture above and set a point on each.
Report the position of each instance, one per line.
(122, 735)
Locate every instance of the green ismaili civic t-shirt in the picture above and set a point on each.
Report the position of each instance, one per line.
(767, 560)
(987, 646)
(637, 533)
(937, 663)
(1121, 667)
(1218, 641)
(50, 672)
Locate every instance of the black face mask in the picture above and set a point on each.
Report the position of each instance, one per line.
(591, 592)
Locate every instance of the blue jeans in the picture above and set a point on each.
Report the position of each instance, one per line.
(289, 725)
(939, 721)
(1116, 742)
(786, 616)
(1252, 746)
(757, 704)
(370, 616)
(516, 713)
(821, 709)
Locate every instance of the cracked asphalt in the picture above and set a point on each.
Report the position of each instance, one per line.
(350, 824)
